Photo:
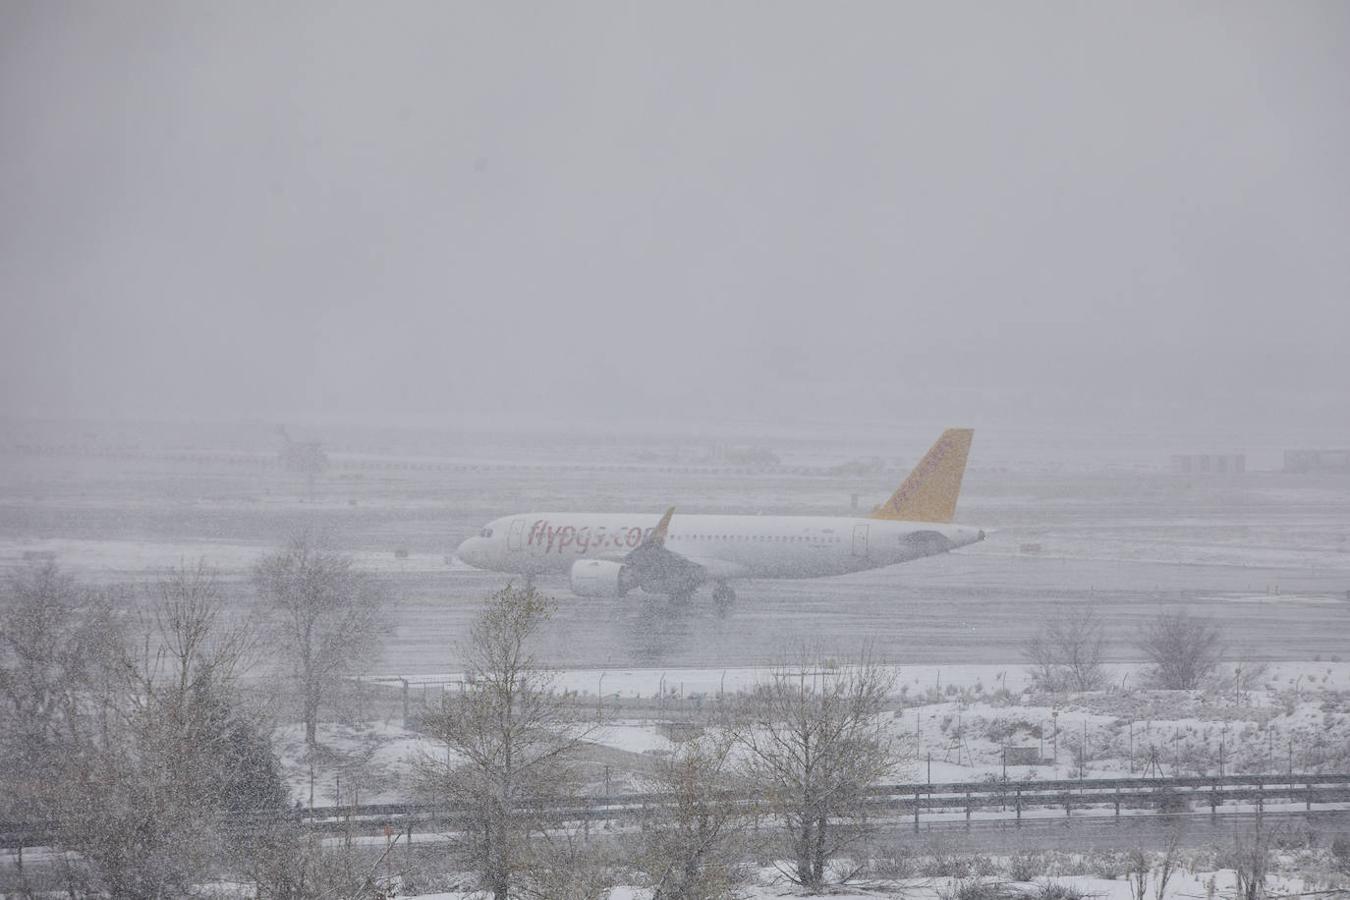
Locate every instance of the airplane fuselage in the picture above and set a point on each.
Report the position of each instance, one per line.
(727, 546)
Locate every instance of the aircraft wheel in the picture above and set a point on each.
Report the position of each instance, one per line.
(682, 598)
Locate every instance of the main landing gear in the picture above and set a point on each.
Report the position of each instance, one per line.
(723, 593)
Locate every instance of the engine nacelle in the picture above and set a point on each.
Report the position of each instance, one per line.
(600, 578)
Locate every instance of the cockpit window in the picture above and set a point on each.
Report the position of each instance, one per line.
(486, 532)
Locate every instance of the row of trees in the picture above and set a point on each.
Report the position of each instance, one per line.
(130, 735)
(798, 753)
(1068, 653)
(125, 736)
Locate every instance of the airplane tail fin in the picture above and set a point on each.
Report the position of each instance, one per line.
(929, 493)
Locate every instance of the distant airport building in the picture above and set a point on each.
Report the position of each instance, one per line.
(1209, 463)
(1317, 461)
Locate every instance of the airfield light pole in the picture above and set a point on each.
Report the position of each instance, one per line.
(1083, 754)
(1132, 746)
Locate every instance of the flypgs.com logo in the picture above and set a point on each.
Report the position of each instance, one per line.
(545, 537)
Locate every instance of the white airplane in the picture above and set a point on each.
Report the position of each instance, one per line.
(609, 554)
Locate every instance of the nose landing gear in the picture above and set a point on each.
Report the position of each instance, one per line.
(723, 593)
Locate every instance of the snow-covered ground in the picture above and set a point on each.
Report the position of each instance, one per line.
(1191, 885)
(678, 682)
(954, 723)
(372, 762)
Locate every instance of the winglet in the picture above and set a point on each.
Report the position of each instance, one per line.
(929, 493)
(658, 535)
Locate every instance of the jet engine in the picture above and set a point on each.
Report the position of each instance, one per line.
(600, 578)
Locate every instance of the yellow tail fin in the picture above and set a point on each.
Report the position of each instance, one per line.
(929, 493)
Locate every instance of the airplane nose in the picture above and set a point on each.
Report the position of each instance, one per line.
(468, 551)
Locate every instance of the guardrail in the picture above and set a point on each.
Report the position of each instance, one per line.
(993, 799)
(1008, 800)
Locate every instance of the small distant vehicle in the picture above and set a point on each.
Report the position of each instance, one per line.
(610, 554)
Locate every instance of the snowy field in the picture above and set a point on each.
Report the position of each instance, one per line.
(953, 722)
(1189, 884)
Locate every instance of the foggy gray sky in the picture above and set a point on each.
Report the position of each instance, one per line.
(420, 211)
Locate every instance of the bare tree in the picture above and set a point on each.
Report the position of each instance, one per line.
(46, 647)
(164, 757)
(1182, 651)
(196, 643)
(1138, 867)
(1170, 861)
(331, 617)
(1251, 860)
(42, 654)
(509, 745)
(1065, 653)
(1340, 853)
(1247, 670)
(567, 866)
(813, 741)
(692, 846)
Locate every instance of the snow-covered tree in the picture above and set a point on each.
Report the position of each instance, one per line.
(813, 739)
(49, 647)
(1066, 653)
(510, 742)
(692, 844)
(169, 771)
(329, 616)
(1182, 650)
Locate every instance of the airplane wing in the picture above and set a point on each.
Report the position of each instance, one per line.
(658, 569)
(719, 569)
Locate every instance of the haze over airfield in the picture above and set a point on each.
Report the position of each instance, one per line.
(429, 212)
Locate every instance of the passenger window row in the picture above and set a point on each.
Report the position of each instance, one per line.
(791, 539)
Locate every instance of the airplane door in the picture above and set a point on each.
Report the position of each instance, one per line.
(859, 540)
(514, 536)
